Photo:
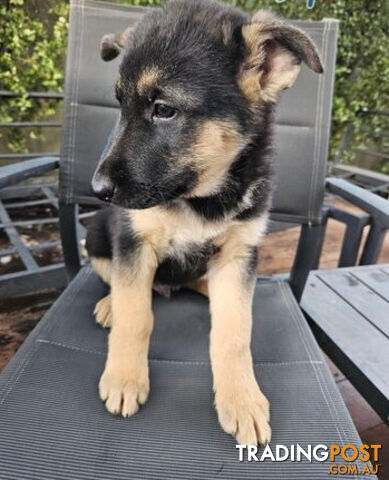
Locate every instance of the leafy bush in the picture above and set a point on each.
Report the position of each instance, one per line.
(34, 44)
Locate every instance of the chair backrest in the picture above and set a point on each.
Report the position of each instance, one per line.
(302, 121)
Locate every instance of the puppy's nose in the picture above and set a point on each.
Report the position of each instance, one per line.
(103, 187)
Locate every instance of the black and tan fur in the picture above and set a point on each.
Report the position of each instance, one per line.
(188, 175)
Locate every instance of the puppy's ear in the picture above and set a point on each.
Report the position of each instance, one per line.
(112, 44)
(273, 55)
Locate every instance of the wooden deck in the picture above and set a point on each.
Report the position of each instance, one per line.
(277, 252)
(369, 425)
(17, 318)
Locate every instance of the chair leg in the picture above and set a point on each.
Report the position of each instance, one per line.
(68, 215)
(373, 245)
(308, 254)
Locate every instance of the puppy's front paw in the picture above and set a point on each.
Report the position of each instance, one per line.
(243, 412)
(103, 312)
(122, 391)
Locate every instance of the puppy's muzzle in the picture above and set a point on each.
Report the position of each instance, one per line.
(103, 187)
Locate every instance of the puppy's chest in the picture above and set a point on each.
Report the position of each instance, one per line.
(176, 232)
(185, 266)
(184, 243)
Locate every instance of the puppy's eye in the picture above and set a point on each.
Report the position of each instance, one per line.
(163, 111)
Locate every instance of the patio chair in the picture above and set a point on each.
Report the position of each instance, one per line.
(32, 276)
(52, 423)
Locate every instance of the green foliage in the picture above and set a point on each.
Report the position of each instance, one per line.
(32, 47)
(361, 74)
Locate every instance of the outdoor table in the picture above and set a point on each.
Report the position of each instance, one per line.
(348, 310)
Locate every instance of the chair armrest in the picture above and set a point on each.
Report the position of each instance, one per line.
(371, 203)
(16, 172)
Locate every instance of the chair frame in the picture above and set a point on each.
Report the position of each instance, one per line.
(375, 216)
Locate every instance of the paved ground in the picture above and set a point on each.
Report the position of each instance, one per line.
(17, 318)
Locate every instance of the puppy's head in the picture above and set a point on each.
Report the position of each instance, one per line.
(192, 83)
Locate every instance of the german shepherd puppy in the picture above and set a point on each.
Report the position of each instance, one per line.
(188, 175)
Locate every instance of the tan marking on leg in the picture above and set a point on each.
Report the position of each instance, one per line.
(239, 235)
(201, 286)
(103, 267)
(124, 384)
(153, 225)
(148, 79)
(103, 312)
(242, 408)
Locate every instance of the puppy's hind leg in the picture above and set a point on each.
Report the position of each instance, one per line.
(200, 286)
(99, 248)
(103, 267)
(103, 312)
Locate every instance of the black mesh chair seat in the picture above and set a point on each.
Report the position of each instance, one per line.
(53, 425)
